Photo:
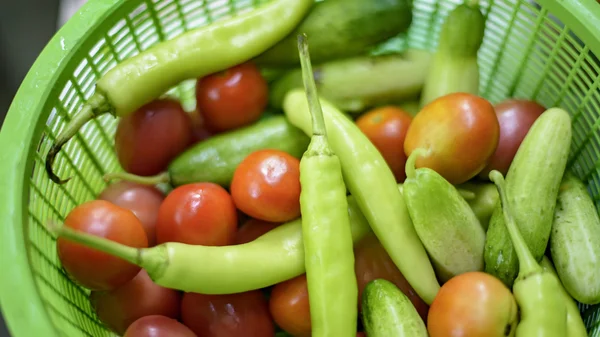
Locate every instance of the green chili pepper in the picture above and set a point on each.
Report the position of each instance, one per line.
(329, 255)
(272, 258)
(370, 180)
(196, 53)
(538, 292)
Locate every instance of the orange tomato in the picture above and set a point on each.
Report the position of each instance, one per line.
(290, 308)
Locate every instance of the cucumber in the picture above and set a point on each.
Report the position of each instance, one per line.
(215, 159)
(532, 183)
(387, 312)
(454, 66)
(341, 28)
(357, 83)
(575, 241)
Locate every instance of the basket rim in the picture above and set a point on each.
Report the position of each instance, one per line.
(24, 311)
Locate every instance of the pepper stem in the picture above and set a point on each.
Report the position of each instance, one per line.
(467, 195)
(527, 263)
(153, 180)
(410, 169)
(318, 121)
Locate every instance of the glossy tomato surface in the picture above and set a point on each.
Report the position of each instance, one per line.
(290, 308)
(243, 314)
(91, 268)
(460, 130)
(197, 214)
(266, 186)
(158, 326)
(147, 140)
(473, 304)
(253, 229)
(386, 128)
(232, 98)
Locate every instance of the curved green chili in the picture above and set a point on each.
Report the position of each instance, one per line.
(329, 255)
(538, 292)
(370, 180)
(196, 53)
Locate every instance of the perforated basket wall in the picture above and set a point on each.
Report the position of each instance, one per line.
(527, 53)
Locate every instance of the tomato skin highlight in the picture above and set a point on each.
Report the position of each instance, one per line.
(290, 308)
(386, 128)
(252, 230)
(158, 326)
(197, 214)
(460, 130)
(91, 268)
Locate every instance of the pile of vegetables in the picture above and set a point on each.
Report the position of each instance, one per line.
(355, 193)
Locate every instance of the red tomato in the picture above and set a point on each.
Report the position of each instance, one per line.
(142, 200)
(386, 127)
(147, 140)
(290, 308)
(371, 262)
(252, 230)
(233, 98)
(158, 326)
(135, 299)
(461, 131)
(266, 186)
(361, 334)
(200, 131)
(473, 304)
(243, 314)
(91, 268)
(515, 116)
(197, 214)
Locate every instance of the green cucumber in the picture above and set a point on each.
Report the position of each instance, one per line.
(341, 28)
(454, 67)
(532, 184)
(357, 83)
(575, 241)
(215, 159)
(485, 201)
(387, 312)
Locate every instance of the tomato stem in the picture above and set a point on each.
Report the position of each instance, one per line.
(153, 180)
(411, 172)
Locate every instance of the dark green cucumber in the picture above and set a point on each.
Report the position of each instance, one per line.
(532, 184)
(387, 312)
(215, 159)
(575, 241)
(341, 28)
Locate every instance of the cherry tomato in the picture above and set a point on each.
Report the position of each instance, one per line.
(233, 98)
(142, 200)
(361, 334)
(120, 307)
(252, 230)
(371, 262)
(266, 186)
(197, 214)
(147, 140)
(473, 304)
(200, 131)
(515, 116)
(460, 130)
(91, 268)
(158, 326)
(290, 308)
(386, 127)
(243, 314)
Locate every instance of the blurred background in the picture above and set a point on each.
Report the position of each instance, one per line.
(25, 28)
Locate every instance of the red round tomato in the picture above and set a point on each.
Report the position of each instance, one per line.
(147, 140)
(232, 98)
(197, 214)
(200, 131)
(158, 326)
(460, 130)
(515, 116)
(242, 314)
(473, 304)
(89, 267)
(120, 307)
(290, 308)
(386, 127)
(142, 200)
(252, 230)
(266, 186)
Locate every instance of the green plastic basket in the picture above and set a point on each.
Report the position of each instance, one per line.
(544, 51)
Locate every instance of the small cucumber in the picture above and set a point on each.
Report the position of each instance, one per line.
(454, 67)
(215, 159)
(355, 84)
(532, 184)
(341, 28)
(387, 312)
(575, 241)
(485, 201)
